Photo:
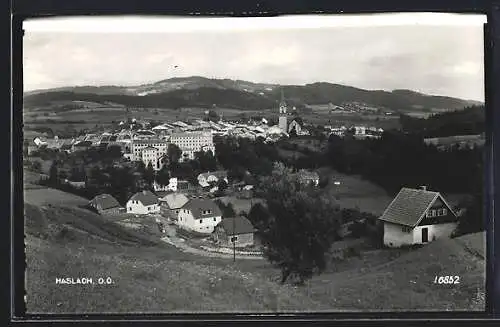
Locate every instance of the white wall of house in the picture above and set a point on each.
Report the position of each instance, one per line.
(434, 232)
(204, 225)
(172, 185)
(136, 207)
(394, 236)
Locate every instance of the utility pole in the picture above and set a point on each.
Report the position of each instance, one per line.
(234, 240)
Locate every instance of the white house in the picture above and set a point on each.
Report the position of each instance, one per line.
(205, 179)
(199, 215)
(417, 216)
(142, 203)
(172, 185)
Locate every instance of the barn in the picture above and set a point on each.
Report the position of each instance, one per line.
(105, 204)
(417, 216)
(238, 230)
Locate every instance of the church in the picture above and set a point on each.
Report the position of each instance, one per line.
(282, 121)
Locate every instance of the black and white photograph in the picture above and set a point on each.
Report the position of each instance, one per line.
(289, 164)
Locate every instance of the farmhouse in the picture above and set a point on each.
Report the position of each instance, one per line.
(105, 204)
(200, 215)
(308, 177)
(417, 216)
(143, 202)
(171, 204)
(238, 230)
(205, 179)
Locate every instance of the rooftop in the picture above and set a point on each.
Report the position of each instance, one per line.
(409, 206)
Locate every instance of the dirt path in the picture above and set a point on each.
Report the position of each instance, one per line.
(181, 245)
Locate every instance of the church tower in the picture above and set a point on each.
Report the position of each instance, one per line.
(282, 122)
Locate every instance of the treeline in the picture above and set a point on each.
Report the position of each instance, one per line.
(470, 121)
(397, 159)
(240, 156)
(400, 160)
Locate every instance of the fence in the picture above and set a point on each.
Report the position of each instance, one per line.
(230, 251)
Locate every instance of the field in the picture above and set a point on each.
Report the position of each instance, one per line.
(44, 196)
(355, 192)
(150, 276)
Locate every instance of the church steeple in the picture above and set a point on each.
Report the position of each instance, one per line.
(283, 105)
(282, 121)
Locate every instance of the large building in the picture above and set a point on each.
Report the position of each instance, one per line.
(192, 142)
(150, 151)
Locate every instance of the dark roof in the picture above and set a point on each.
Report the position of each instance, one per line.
(237, 225)
(196, 206)
(104, 201)
(147, 198)
(83, 143)
(410, 206)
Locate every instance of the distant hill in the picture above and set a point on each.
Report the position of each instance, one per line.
(238, 94)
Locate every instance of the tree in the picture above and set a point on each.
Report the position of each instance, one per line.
(221, 185)
(258, 215)
(213, 116)
(206, 160)
(300, 228)
(149, 175)
(36, 166)
(53, 173)
(226, 209)
(114, 151)
(174, 153)
(163, 176)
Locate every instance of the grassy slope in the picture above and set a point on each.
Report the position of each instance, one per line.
(150, 276)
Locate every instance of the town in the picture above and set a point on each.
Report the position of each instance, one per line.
(288, 171)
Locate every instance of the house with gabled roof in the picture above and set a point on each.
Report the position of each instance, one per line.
(142, 203)
(171, 204)
(417, 216)
(235, 230)
(105, 204)
(199, 215)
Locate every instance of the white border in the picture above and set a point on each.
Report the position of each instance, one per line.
(128, 24)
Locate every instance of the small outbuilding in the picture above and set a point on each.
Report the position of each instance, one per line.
(105, 204)
(238, 230)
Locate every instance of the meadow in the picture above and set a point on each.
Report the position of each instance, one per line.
(151, 276)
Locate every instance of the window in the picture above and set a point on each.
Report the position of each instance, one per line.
(431, 213)
(201, 220)
(215, 219)
(445, 212)
(130, 209)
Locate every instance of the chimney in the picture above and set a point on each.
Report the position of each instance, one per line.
(423, 188)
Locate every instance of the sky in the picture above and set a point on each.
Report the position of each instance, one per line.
(421, 55)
